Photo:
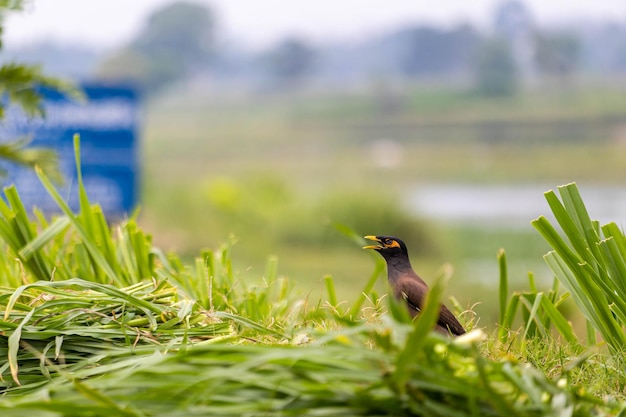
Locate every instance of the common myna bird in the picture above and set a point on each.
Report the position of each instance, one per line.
(407, 285)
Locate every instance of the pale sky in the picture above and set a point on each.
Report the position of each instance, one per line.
(108, 23)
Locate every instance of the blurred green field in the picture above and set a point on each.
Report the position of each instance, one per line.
(275, 172)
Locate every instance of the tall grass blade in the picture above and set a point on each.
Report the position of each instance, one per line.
(511, 311)
(82, 230)
(14, 346)
(503, 293)
(572, 230)
(531, 321)
(330, 291)
(17, 230)
(57, 227)
(576, 210)
(85, 212)
(559, 321)
(379, 268)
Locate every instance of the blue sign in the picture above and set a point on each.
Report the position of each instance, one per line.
(107, 124)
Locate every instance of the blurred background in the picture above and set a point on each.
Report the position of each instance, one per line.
(267, 124)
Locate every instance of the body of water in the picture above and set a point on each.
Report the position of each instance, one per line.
(515, 205)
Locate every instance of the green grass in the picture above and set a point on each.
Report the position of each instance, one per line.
(97, 322)
(592, 265)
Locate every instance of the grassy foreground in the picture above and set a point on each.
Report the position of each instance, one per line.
(98, 322)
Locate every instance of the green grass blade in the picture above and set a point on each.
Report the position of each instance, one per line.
(578, 212)
(559, 321)
(565, 220)
(613, 256)
(85, 214)
(503, 291)
(550, 234)
(17, 230)
(83, 231)
(379, 267)
(51, 232)
(592, 340)
(533, 320)
(330, 291)
(14, 345)
(509, 317)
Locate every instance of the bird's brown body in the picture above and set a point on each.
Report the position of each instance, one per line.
(407, 285)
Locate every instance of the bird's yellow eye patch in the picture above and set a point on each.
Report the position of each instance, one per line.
(391, 244)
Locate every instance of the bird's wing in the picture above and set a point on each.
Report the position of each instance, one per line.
(413, 291)
(447, 320)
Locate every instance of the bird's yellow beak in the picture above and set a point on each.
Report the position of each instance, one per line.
(384, 243)
(375, 239)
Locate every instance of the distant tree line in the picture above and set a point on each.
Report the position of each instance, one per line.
(180, 42)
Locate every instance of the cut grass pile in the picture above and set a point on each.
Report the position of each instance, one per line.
(337, 375)
(97, 323)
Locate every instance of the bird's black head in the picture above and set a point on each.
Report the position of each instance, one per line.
(388, 246)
